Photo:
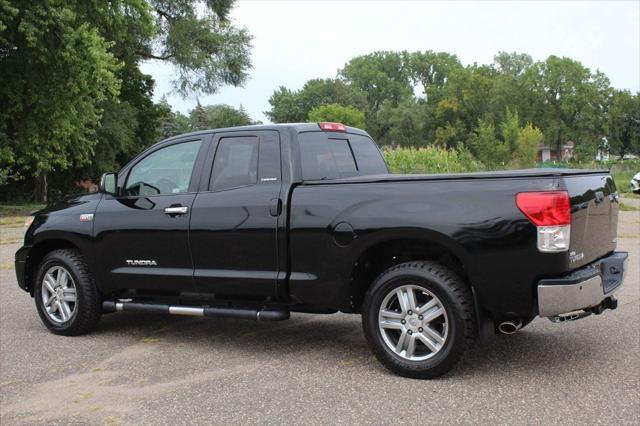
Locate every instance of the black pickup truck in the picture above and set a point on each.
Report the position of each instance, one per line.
(256, 222)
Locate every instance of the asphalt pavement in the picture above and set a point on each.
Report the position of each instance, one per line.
(312, 369)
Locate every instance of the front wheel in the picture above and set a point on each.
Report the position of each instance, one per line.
(66, 297)
(419, 319)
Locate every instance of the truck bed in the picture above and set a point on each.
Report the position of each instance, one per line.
(523, 173)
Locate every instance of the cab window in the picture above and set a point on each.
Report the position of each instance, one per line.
(327, 157)
(165, 171)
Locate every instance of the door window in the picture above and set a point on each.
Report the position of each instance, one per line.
(166, 171)
(235, 163)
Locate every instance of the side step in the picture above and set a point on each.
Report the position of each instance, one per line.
(264, 314)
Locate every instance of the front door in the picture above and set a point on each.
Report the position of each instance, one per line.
(142, 235)
(234, 223)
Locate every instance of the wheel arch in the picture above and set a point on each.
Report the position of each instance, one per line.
(38, 251)
(383, 252)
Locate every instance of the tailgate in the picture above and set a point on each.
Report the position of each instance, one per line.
(594, 217)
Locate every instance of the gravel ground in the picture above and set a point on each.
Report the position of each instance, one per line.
(313, 369)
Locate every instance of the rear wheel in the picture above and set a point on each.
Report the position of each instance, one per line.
(66, 297)
(418, 318)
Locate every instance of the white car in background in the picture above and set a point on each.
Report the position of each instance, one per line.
(635, 183)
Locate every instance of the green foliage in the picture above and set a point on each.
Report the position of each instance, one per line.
(197, 37)
(57, 72)
(382, 76)
(406, 123)
(486, 147)
(349, 116)
(517, 147)
(20, 210)
(73, 98)
(510, 130)
(623, 122)
(422, 98)
(115, 136)
(171, 123)
(200, 118)
(622, 170)
(526, 152)
(218, 116)
(430, 159)
(294, 106)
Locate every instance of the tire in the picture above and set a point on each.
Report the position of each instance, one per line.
(449, 334)
(80, 315)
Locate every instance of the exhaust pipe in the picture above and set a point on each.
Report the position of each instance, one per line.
(510, 327)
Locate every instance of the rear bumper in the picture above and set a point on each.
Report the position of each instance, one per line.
(20, 263)
(585, 288)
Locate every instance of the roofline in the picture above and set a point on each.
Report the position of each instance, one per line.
(298, 127)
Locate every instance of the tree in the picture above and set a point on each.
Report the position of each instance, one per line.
(623, 123)
(198, 39)
(349, 116)
(434, 71)
(526, 153)
(198, 118)
(171, 123)
(57, 71)
(294, 106)
(403, 124)
(512, 65)
(510, 130)
(218, 116)
(570, 102)
(115, 136)
(286, 107)
(450, 130)
(65, 62)
(382, 76)
(484, 145)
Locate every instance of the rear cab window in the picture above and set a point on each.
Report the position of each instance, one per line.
(337, 155)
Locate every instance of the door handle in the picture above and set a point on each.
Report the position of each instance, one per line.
(176, 210)
(275, 207)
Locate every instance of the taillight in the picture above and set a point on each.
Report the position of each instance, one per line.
(551, 213)
(332, 127)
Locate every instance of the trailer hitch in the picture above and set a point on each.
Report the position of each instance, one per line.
(608, 303)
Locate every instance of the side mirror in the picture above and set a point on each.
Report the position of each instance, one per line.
(108, 184)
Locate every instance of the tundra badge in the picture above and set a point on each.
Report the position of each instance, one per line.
(137, 262)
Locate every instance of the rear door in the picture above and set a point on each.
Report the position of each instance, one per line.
(234, 223)
(142, 236)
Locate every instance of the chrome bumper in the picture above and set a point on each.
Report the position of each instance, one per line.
(586, 288)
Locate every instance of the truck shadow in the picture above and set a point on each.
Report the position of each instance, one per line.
(338, 339)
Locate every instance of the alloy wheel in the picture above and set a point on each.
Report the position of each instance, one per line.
(59, 294)
(413, 322)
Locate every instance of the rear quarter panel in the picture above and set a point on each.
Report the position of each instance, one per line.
(476, 219)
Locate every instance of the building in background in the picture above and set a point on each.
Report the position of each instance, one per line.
(545, 153)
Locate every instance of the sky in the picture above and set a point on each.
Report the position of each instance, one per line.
(295, 41)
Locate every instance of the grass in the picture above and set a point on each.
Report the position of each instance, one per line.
(11, 221)
(13, 215)
(18, 209)
(627, 208)
(16, 240)
(623, 180)
(622, 171)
